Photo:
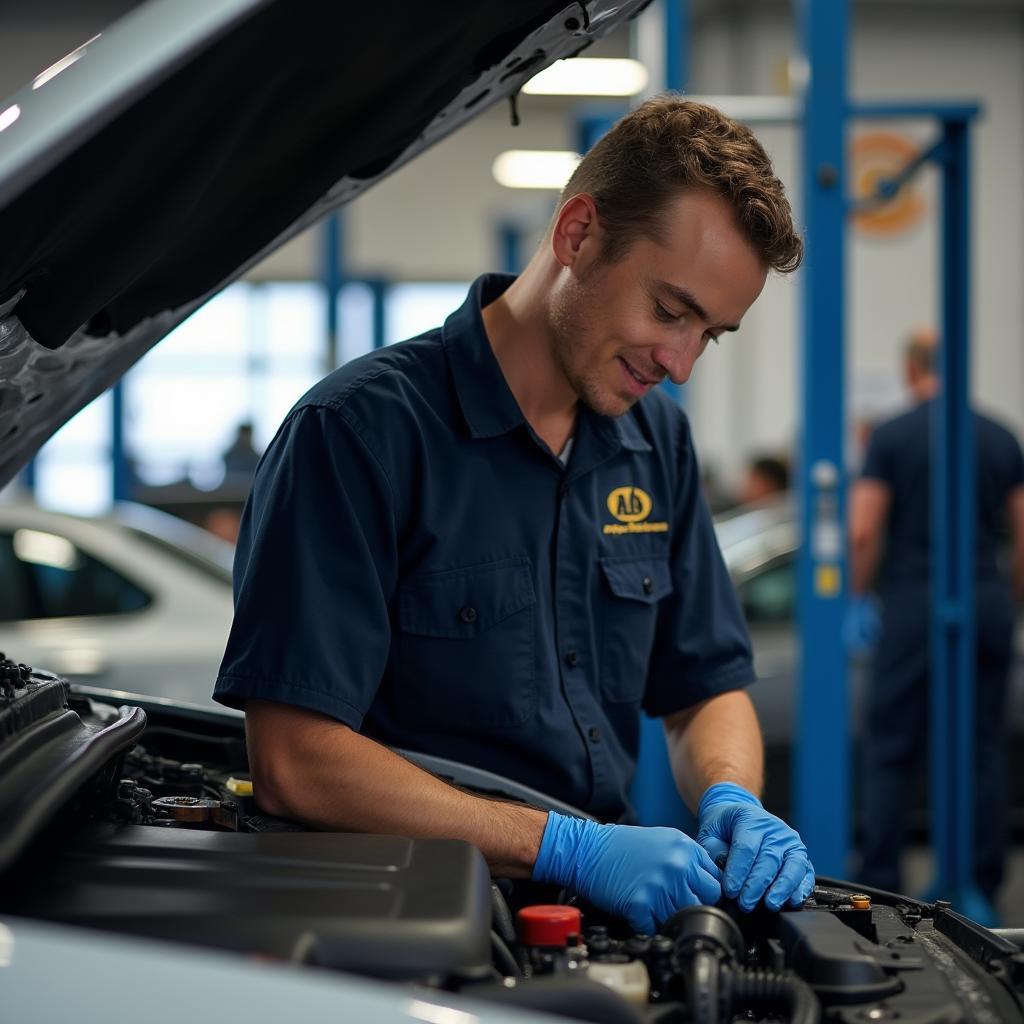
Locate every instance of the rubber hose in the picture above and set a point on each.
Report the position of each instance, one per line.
(503, 956)
(703, 995)
(762, 990)
(501, 916)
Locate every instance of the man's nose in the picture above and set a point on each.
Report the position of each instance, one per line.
(676, 360)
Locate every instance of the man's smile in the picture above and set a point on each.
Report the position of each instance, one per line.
(639, 382)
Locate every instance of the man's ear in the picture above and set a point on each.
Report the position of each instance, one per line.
(576, 233)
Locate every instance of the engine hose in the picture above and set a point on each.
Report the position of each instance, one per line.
(501, 916)
(703, 995)
(504, 925)
(503, 957)
(764, 991)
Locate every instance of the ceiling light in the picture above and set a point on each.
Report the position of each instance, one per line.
(534, 168)
(589, 76)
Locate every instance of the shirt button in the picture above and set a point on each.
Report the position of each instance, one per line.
(648, 584)
(468, 614)
(572, 659)
(594, 734)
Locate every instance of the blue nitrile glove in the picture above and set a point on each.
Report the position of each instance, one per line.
(862, 626)
(642, 874)
(765, 856)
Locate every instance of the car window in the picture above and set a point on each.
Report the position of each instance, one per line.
(52, 578)
(769, 596)
(193, 559)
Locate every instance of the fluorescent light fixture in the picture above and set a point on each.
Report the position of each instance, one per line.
(589, 76)
(45, 549)
(534, 168)
(9, 116)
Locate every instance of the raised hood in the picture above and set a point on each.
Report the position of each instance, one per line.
(193, 137)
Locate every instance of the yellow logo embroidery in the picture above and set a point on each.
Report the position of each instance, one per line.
(631, 506)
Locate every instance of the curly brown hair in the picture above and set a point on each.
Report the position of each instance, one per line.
(670, 145)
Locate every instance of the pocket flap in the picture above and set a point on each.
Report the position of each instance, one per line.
(644, 579)
(461, 603)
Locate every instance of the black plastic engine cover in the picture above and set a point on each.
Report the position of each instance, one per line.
(377, 905)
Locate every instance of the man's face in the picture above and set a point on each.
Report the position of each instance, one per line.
(621, 328)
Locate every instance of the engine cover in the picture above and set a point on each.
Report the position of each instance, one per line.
(382, 906)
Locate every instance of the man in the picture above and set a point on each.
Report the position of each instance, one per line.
(767, 476)
(890, 512)
(489, 543)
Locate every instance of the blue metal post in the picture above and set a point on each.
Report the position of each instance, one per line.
(379, 289)
(331, 277)
(510, 240)
(821, 786)
(953, 517)
(677, 43)
(122, 476)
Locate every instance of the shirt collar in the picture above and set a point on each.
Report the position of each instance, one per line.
(486, 400)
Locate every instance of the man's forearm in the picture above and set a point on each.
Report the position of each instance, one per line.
(718, 740)
(315, 770)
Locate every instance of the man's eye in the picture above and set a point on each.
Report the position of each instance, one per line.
(708, 336)
(666, 314)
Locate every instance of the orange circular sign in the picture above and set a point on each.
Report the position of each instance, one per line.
(876, 157)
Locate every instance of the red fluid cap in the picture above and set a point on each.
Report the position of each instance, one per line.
(548, 925)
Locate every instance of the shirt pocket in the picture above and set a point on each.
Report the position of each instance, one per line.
(466, 646)
(635, 586)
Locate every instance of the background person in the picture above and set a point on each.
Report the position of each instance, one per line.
(890, 544)
(766, 477)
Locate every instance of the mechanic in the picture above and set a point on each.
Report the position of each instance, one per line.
(890, 536)
(489, 543)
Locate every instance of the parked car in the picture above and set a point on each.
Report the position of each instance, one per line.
(137, 601)
(139, 878)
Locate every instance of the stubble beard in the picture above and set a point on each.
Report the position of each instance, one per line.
(572, 334)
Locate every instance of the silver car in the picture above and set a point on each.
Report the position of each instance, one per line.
(137, 601)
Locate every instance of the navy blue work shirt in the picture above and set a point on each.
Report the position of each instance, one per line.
(416, 563)
(899, 455)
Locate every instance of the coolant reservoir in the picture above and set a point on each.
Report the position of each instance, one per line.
(629, 979)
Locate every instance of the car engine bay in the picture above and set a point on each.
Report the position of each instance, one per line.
(141, 821)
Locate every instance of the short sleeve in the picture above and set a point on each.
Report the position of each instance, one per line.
(878, 463)
(1016, 464)
(315, 572)
(701, 647)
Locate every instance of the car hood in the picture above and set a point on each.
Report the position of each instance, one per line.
(166, 156)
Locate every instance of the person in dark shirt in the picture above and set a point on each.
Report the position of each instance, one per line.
(891, 546)
(489, 543)
(767, 476)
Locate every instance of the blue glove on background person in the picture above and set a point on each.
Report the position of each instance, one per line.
(765, 856)
(862, 625)
(642, 874)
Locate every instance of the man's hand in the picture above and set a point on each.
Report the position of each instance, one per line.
(862, 626)
(642, 874)
(766, 858)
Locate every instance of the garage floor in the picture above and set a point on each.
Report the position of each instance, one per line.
(917, 871)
